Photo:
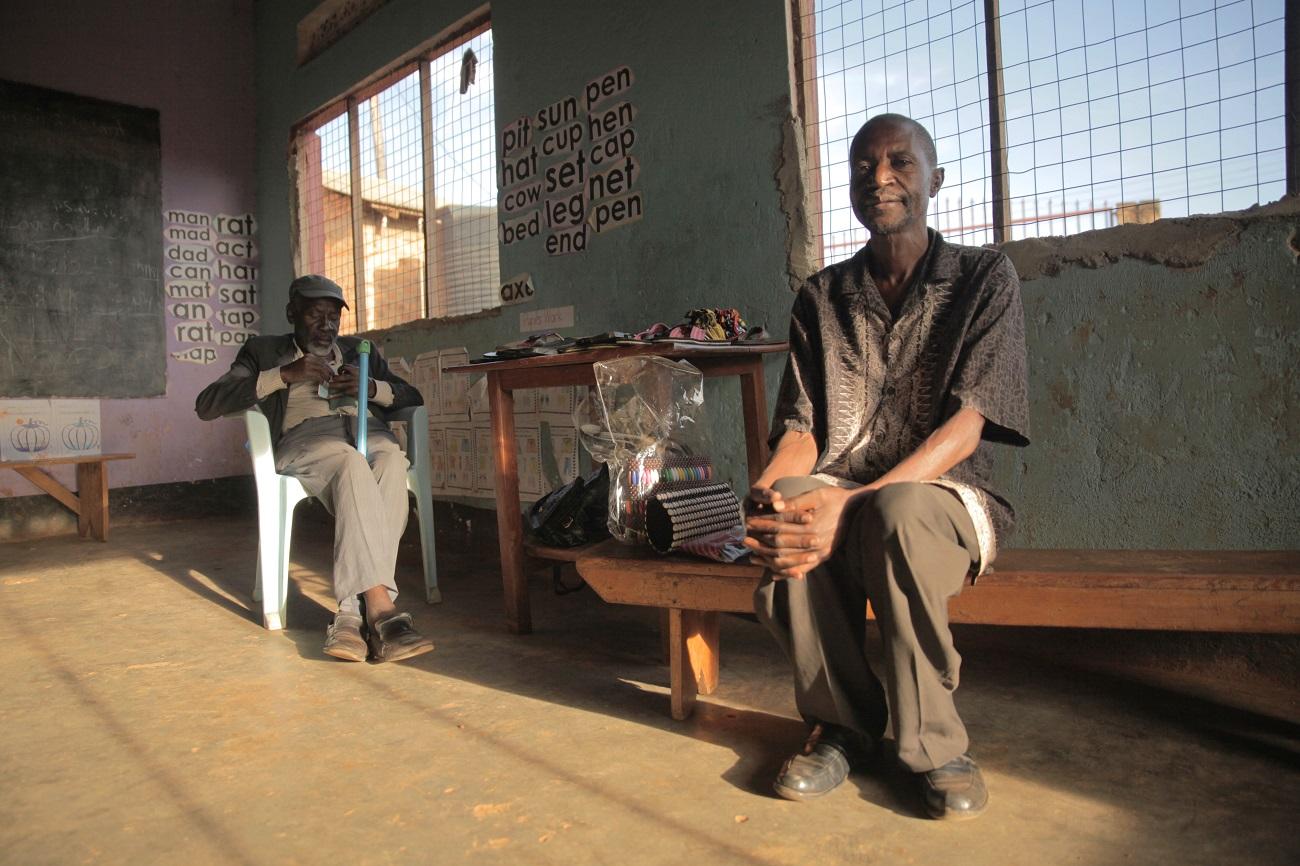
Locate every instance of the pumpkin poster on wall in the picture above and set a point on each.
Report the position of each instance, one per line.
(76, 427)
(33, 429)
(26, 429)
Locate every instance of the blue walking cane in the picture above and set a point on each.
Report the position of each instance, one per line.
(363, 394)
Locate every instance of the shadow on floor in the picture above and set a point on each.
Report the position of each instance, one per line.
(606, 659)
(585, 654)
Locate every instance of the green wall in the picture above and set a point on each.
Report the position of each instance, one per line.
(1162, 367)
(711, 91)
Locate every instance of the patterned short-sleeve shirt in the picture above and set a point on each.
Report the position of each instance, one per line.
(871, 387)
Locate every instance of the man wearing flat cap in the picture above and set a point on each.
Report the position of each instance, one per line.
(306, 383)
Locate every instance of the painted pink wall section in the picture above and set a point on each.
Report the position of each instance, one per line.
(193, 62)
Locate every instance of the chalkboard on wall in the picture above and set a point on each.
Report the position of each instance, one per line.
(81, 301)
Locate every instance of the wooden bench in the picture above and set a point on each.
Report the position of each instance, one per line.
(90, 502)
(1203, 590)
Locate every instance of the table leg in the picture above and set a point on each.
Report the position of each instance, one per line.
(92, 491)
(753, 401)
(510, 525)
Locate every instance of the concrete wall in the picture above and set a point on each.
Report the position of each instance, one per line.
(193, 62)
(1165, 397)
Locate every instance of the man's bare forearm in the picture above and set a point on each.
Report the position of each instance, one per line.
(795, 454)
(954, 441)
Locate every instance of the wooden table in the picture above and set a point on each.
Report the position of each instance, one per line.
(574, 368)
(90, 502)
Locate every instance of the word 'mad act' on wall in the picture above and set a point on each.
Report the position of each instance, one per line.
(211, 283)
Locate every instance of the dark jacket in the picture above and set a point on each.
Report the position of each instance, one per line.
(237, 389)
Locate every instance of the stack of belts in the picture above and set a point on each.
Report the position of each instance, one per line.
(677, 517)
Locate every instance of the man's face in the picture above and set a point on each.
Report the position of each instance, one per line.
(315, 323)
(892, 179)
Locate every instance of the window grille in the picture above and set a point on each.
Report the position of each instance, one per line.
(420, 237)
(325, 206)
(1097, 112)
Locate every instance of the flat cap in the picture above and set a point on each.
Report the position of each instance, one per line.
(316, 286)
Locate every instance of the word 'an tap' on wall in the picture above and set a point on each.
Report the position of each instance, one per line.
(210, 265)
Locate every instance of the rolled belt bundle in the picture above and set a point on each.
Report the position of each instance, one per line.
(678, 514)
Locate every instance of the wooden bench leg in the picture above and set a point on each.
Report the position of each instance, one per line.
(693, 657)
(92, 492)
(702, 647)
(665, 635)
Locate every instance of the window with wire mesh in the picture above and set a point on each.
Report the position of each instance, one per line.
(419, 240)
(1111, 111)
(325, 207)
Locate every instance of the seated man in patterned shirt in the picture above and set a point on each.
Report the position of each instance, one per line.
(907, 365)
(306, 383)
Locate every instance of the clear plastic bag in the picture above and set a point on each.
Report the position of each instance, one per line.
(645, 419)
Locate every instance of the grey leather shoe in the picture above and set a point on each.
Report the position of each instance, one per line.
(828, 756)
(955, 791)
(394, 638)
(343, 638)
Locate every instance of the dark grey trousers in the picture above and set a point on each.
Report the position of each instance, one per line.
(907, 548)
(366, 495)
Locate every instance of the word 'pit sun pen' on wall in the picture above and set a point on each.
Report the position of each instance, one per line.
(567, 171)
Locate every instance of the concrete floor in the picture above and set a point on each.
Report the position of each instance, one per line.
(147, 717)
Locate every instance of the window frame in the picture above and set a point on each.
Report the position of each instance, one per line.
(803, 45)
(433, 300)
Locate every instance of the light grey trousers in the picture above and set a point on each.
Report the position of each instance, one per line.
(907, 548)
(366, 495)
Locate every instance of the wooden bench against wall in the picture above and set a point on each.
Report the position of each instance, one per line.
(90, 502)
(1203, 590)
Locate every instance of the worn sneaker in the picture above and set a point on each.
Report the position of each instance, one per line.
(343, 638)
(394, 638)
(825, 761)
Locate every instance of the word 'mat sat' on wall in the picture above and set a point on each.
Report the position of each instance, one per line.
(567, 170)
(210, 266)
